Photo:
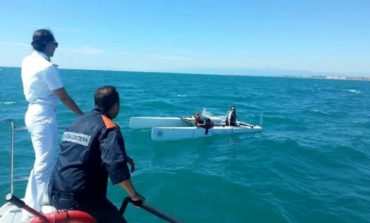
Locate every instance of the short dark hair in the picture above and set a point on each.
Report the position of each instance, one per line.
(41, 38)
(105, 97)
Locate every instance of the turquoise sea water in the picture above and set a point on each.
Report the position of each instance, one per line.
(310, 164)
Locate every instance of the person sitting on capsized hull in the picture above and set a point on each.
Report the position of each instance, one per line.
(230, 119)
(198, 120)
(203, 122)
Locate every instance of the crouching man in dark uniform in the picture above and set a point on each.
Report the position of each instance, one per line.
(92, 149)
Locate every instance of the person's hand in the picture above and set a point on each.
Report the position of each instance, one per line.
(137, 199)
(131, 163)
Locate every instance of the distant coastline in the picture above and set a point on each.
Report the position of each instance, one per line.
(331, 77)
(326, 77)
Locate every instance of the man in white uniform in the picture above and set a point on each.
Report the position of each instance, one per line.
(42, 88)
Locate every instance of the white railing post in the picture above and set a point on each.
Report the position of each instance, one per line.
(12, 127)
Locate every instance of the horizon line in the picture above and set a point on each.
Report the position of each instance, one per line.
(314, 74)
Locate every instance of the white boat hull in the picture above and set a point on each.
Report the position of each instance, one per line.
(9, 213)
(177, 133)
(150, 122)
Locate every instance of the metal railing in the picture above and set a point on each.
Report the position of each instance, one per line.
(12, 138)
(148, 208)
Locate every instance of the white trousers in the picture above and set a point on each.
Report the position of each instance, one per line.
(41, 123)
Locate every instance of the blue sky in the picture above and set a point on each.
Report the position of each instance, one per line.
(269, 37)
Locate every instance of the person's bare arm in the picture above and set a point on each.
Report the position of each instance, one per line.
(127, 185)
(67, 100)
(129, 188)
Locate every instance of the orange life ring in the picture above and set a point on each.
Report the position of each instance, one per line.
(66, 216)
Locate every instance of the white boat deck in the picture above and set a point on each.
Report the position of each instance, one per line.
(9, 213)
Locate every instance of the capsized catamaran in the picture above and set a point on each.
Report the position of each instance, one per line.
(176, 133)
(175, 128)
